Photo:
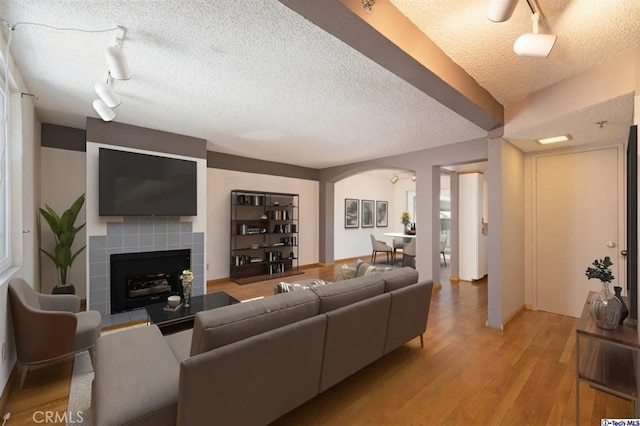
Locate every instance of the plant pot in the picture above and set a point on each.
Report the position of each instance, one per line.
(64, 289)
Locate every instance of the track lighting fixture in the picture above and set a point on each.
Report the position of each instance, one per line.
(501, 10)
(107, 94)
(103, 110)
(533, 44)
(394, 179)
(116, 61)
(367, 5)
(413, 177)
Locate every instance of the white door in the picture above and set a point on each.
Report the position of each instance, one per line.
(579, 200)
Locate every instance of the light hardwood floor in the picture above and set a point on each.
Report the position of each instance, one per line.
(467, 373)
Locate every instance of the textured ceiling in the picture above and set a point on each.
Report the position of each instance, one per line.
(256, 79)
(589, 32)
(251, 77)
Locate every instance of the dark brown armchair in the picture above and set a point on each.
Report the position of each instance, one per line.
(48, 327)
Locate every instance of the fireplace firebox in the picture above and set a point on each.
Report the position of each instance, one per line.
(138, 279)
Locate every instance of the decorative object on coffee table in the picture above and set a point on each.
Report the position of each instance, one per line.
(187, 279)
(605, 308)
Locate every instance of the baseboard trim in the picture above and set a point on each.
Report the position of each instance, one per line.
(513, 316)
(454, 278)
(11, 384)
(436, 287)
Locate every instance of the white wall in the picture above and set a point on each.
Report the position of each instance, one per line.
(355, 242)
(63, 180)
(222, 182)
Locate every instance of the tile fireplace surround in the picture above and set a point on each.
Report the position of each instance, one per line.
(140, 234)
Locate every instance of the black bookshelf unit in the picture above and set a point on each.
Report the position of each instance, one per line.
(264, 235)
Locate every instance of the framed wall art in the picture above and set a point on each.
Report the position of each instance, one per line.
(368, 213)
(351, 213)
(382, 214)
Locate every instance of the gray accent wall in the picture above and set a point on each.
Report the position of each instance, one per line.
(135, 235)
(218, 160)
(62, 137)
(126, 135)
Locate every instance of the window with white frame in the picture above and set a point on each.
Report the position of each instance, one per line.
(5, 205)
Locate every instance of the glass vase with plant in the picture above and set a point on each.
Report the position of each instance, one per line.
(604, 307)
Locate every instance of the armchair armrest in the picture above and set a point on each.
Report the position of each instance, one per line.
(42, 335)
(59, 302)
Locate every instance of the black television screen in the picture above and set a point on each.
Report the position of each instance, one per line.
(133, 184)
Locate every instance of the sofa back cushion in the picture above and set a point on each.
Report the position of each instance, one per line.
(399, 278)
(344, 293)
(219, 327)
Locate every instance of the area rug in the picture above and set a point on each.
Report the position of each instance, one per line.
(79, 406)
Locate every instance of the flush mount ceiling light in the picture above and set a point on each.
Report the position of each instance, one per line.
(501, 10)
(116, 61)
(554, 139)
(394, 179)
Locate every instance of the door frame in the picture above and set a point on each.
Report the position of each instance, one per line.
(531, 246)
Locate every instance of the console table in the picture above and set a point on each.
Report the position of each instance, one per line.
(608, 361)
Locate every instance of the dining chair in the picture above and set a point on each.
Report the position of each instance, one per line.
(380, 247)
(398, 244)
(409, 251)
(443, 245)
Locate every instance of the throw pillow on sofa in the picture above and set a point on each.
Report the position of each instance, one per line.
(284, 287)
(345, 273)
(363, 268)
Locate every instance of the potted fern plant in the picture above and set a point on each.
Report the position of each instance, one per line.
(64, 231)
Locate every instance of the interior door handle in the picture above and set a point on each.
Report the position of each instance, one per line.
(624, 252)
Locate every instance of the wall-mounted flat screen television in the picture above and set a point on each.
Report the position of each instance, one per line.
(133, 184)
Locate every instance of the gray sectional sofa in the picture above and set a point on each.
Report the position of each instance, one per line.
(250, 363)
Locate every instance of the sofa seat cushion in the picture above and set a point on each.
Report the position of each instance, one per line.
(136, 379)
(284, 287)
(399, 278)
(346, 292)
(228, 324)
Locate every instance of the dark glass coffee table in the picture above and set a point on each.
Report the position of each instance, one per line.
(182, 319)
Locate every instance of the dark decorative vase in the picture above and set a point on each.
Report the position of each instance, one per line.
(624, 311)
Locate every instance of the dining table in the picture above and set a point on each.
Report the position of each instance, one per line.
(398, 235)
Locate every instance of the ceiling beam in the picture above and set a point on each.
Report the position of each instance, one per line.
(390, 39)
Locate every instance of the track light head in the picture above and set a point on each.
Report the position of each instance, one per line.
(394, 179)
(108, 95)
(533, 44)
(413, 177)
(103, 110)
(117, 63)
(501, 10)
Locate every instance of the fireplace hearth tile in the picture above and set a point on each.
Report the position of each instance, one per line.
(173, 239)
(99, 282)
(186, 227)
(97, 256)
(174, 227)
(198, 237)
(131, 229)
(114, 241)
(130, 242)
(146, 240)
(115, 228)
(197, 249)
(97, 269)
(97, 242)
(186, 238)
(160, 227)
